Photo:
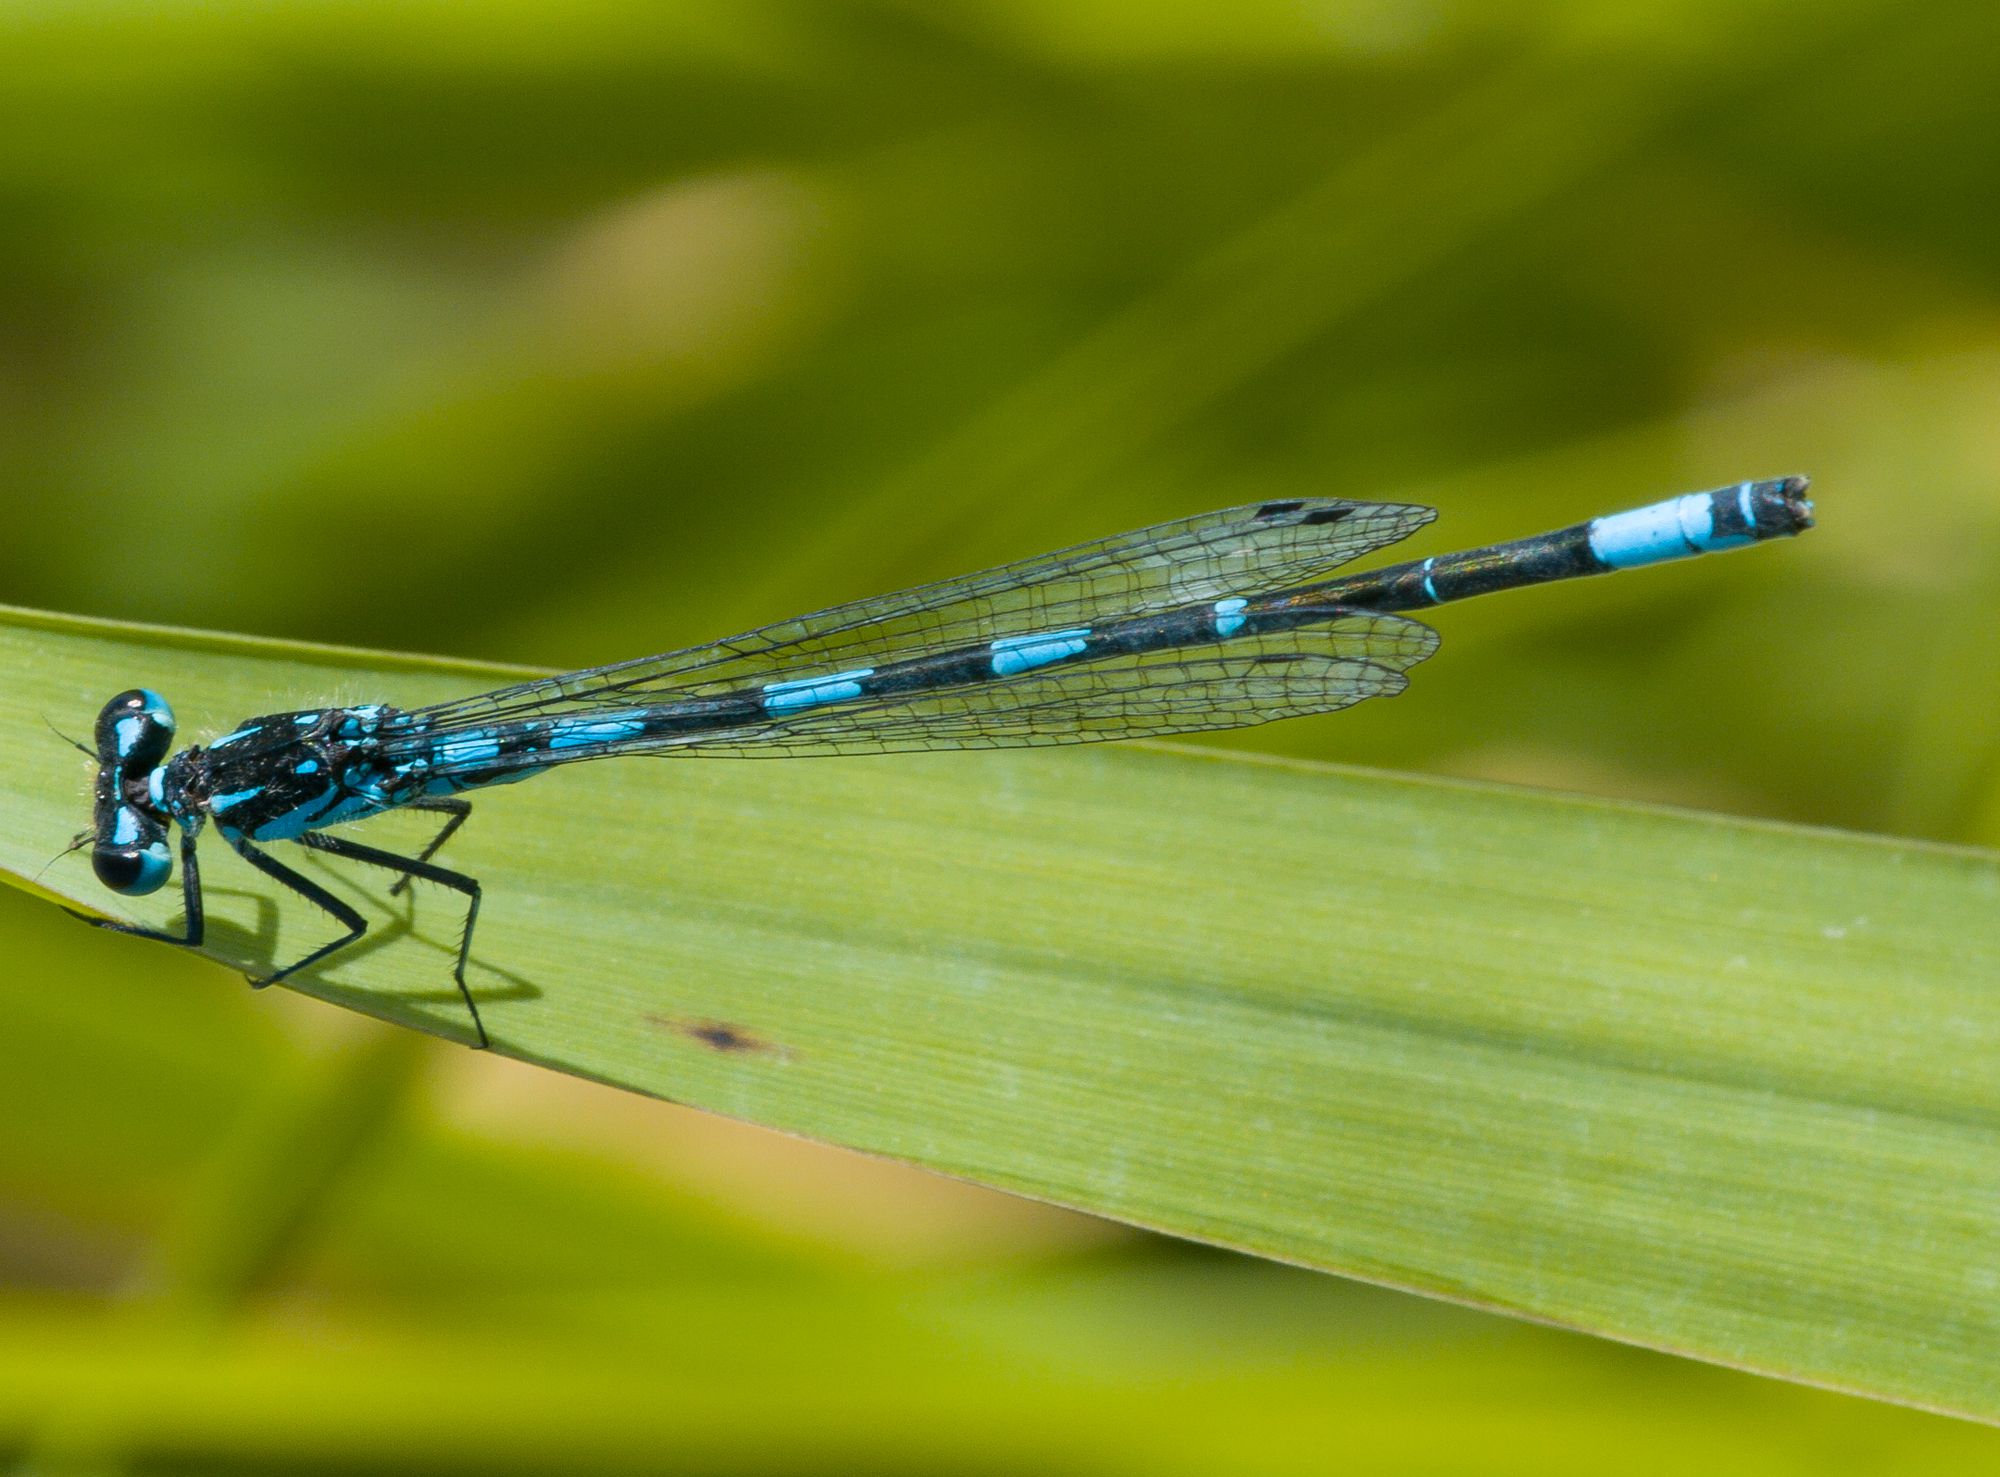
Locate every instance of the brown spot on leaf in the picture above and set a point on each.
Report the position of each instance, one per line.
(717, 1035)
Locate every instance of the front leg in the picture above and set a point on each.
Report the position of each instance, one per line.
(194, 926)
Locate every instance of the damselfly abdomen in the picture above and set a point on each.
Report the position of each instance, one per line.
(1220, 621)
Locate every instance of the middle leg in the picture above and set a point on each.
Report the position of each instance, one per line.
(459, 810)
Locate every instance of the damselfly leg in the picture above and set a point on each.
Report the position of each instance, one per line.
(194, 924)
(459, 810)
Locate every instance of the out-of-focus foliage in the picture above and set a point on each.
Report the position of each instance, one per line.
(567, 337)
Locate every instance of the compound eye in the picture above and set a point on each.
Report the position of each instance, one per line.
(131, 853)
(132, 870)
(135, 730)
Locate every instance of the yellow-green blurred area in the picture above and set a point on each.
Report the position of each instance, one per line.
(566, 334)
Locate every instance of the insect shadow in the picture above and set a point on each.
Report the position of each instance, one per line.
(391, 921)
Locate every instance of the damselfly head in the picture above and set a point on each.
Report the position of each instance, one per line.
(134, 731)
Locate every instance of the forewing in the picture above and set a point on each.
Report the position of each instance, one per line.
(1234, 684)
(1247, 680)
(1243, 551)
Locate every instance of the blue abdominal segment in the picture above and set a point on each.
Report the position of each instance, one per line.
(1013, 655)
(470, 750)
(1699, 523)
(571, 733)
(810, 692)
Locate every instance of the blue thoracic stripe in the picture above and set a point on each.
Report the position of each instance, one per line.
(352, 805)
(810, 692)
(1430, 581)
(312, 811)
(1675, 529)
(1229, 617)
(1013, 655)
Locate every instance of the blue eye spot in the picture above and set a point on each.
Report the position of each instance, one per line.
(155, 865)
(131, 730)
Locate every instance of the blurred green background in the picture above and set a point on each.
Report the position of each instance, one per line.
(565, 337)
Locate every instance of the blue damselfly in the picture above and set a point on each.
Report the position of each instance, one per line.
(1219, 621)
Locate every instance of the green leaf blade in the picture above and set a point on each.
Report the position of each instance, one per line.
(1714, 1086)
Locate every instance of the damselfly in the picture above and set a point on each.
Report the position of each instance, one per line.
(1219, 621)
